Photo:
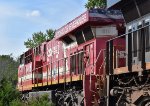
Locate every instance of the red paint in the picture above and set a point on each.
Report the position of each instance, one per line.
(49, 64)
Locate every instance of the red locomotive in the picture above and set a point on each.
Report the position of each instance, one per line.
(90, 63)
(74, 59)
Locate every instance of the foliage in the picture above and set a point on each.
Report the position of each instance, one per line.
(29, 43)
(50, 34)
(96, 4)
(9, 95)
(38, 38)
(8, 79)
(41, 101)
(17, 102)
(8, 68)
(8, 92)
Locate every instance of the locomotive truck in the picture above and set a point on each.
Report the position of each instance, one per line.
(91, 62)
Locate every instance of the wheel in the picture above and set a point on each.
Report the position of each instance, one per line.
(144, 101)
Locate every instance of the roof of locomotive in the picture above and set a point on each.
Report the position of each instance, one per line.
(93, 17)
(132, 9)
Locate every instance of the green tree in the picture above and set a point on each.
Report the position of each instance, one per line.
(9, 95)
(8, 92)
(96, 4)
(38, 38)
(8, 68)
(17, 102)
(29, 43)
(8, 79)
(50, 34)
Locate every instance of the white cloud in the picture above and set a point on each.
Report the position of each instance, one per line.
(34, 13)
(19, 20)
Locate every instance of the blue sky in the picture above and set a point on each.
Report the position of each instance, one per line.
(20, 18)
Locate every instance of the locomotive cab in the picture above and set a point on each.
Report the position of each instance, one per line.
(25, 70)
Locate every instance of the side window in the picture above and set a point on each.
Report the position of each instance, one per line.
(76, 62)
(44, 48)
(80, 62)
(88, 34)
(67, 40)
(73, 63)
(79, 37)
(28, 57)
(22, 59)
(37, 50)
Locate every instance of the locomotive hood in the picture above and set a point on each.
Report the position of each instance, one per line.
(91, 17)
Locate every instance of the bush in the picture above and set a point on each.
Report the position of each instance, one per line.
(9, 96)
(8, 92)
(41, 101)
(17, 102)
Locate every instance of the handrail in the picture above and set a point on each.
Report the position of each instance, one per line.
(50, 63)
(128, 33)
(55, 61)
(102, 65)
(93, 68)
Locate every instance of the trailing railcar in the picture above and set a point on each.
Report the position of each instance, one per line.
(129, 84)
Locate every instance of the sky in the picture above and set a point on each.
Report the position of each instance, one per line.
(19, 19)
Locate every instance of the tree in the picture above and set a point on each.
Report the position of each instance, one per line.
(8, 92)
(8, 79)
(9, 95)
(38, 38)
(29, 43)
(96, 4)
(50, 34)
(8, 67)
